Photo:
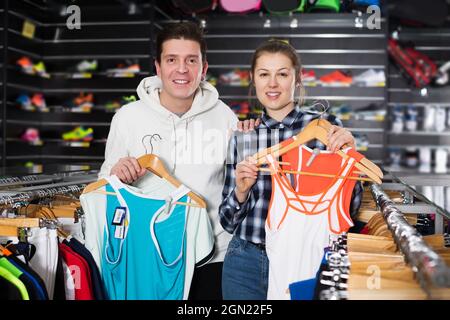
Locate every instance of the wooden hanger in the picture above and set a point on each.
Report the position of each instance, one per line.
(46, 212)
(314, 131)
(316, 174)
(156, 166)
(369, 164)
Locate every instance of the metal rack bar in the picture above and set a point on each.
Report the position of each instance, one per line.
(40, 192)
(431, 270)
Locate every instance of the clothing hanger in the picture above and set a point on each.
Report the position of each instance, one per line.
(369, 164)
(155, 165)
(48, 213)
(312, 131)
(317, 174)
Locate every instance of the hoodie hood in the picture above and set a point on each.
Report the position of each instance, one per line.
(205, 98)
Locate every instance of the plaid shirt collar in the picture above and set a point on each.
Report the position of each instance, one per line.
(288, 121)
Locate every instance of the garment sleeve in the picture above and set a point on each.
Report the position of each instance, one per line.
(116, 145)
(357, 194)
(231, 212)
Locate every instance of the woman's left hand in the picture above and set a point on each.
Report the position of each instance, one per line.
(338, 136)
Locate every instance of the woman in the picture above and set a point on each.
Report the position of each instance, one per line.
(276, 76)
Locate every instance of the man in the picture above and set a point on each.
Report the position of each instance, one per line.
(179, 118)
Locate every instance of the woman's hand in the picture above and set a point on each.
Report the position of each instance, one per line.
(246, 175)
(128, 170)
(338, 136)
(248, 125)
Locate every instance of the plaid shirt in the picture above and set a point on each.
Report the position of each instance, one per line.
(247, 220)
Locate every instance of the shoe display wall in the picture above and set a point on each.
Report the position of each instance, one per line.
(67, 84)
(81, 79)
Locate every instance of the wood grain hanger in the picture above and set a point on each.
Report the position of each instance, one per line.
(315, 130)
(155, 165)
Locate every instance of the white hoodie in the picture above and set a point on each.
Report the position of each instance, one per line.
(193, 146)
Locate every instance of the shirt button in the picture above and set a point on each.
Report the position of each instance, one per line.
(281, 126)
(237, 207)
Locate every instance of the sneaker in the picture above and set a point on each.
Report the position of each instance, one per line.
(25, 103)
(211, 79)
(440, 160)
(342, 112)
(26, 64)
(113, 105)
(336, 79)
(440, 119)
(371, 78)
(362, 142)
(40, 70)
(429, 118)
(87, 66)
(424, 159)
(128, 99)
(83, 103)
(31, 135)
(236, 78)
(124, 70)
(398, 119)
(79, 134)
(411, 157)
(242, 109)
(411, 118)
(309, 78)
(39, 102)
(395, 157)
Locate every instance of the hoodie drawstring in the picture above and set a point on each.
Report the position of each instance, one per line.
(175, 136)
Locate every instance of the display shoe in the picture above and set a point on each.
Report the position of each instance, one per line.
(398, 119)
(25, 103)
(429, 118)
(26, 64)
(124, 70)
(411, 118)
(79, 134)
(424, 159)
(87, 66)
(83, 103)
(309, 78)
(40, 70)
(31, 135)
(336, 79)
(440, 160)
(39, 102)
(235, 78)
(371, 78)
(440, 121)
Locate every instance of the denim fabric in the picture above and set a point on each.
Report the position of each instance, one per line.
(245, 271)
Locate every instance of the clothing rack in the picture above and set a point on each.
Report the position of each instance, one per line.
(21, 198)
(432, 272)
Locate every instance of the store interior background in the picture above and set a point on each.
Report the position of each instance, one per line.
(392, 122)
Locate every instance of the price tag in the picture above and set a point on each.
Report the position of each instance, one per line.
(28, 29)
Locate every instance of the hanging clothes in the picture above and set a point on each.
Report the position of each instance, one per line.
(302, 217)
(96, 280)
(45, 260)
(154, 255)
(11, 287)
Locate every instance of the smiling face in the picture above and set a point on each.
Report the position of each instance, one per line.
(275, 81)
(181, 70)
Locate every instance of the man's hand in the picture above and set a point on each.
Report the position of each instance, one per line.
(246, 175)
(338, 136)
(248, 125)
(128, 170)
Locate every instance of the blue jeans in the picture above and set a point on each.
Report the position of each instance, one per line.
(245, 271)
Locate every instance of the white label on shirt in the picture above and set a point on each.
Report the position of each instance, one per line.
(120, 232)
